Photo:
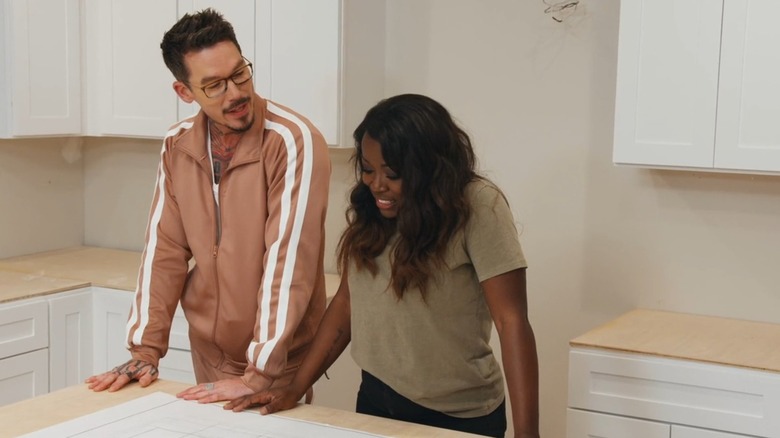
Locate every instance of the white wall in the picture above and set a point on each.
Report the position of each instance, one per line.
(119, 179)
(41, 195)
(537, 97)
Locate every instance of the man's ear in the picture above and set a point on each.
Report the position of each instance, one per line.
(183, 91)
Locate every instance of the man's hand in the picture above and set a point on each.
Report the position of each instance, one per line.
(271, 400)
(226, 389)
(120, 376)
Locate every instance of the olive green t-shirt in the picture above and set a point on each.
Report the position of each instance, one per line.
(437, 353)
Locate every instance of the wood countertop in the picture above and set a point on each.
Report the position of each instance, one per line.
(724, 341)
(18, 285)
(71, 268)
(112, 268)
(76, 401)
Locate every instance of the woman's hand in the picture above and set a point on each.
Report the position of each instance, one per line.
(270, 400)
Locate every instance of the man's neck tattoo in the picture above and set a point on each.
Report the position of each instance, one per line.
(223, 146)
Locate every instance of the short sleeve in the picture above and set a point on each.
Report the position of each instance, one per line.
(491, 237)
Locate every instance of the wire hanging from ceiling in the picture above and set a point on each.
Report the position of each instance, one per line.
(560, 9)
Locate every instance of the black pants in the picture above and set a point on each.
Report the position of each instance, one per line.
(377, 399)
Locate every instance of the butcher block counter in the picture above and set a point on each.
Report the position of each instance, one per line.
(661, 374)
(75, 401)
(724, 341)
(71, 268)
(19, 285)
(112, 268)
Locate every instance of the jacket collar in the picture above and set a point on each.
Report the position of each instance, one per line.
(249, 149)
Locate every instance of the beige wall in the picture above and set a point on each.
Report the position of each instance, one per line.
(119, 178)
(537, 98)
(41, 195)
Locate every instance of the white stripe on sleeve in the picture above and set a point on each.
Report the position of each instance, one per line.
(295, 235)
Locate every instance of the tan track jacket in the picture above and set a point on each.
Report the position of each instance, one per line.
(257, 289)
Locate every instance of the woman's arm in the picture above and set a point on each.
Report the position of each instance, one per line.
(506, 298)
(333, 336)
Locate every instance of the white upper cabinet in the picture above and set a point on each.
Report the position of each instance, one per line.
(40, 76)
(696, 85)
(748, 128)
(129, 90)
(327, 60)
(322, 58)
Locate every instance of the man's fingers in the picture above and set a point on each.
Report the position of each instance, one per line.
(147, 379)
(101, 382)
(210, 398)
(120, 382)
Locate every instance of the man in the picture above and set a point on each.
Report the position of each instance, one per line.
(242, 191)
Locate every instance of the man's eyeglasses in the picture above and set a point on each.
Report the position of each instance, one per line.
(218, 88)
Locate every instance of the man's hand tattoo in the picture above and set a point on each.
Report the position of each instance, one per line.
(132, 368)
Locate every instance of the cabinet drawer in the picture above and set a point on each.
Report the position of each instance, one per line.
(24, 327)
(689, 432)
(582, 424)
(24, 376)
(675, 391)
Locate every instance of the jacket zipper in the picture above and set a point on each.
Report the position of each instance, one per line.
(217, 239)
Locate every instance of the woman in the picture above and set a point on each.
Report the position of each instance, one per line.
(429, 260)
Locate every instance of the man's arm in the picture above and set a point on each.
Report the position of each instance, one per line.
(163, 269)
(297, 203)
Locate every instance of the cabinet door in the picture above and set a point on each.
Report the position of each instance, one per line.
(24, 376)
(697, 394)
(129, 88)
(304, 59)
(40, 90)
(749, 93)
(24, 327)
(584, 424)
(177, 366)
(111, 309)
(70, 340)
(667, 80)
(177, 363)
(690, 432)
(327, 61)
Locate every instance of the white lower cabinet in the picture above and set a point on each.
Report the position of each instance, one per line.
(689, 432)
(70, 338)
(52, 342)
(24, 376)
(695, 399)
(24, 357)
(583, 424)
(111, 309)
(177, 363)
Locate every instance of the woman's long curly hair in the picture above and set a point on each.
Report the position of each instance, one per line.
(434, 158)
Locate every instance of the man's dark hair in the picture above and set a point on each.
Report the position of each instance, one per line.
(194, 32)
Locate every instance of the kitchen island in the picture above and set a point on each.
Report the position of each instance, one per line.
(75, 401)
